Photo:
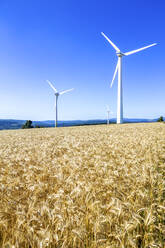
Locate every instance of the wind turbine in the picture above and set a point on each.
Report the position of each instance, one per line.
(57, 94)
(119, 70)
(108, 112)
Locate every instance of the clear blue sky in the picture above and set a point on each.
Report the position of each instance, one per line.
(61, 41)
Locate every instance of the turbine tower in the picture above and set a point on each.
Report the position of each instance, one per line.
(119, 70)
(57, 94)
(108, 112)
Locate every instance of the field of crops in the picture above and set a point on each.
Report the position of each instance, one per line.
(83, 187)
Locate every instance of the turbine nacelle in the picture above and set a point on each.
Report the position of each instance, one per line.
(120, 54)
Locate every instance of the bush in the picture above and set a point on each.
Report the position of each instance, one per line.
(160, 119)
(28, 124)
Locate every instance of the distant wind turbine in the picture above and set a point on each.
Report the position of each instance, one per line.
(108, 112)
(57, 94)
(119, 69)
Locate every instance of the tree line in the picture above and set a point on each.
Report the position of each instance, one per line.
(28, 124)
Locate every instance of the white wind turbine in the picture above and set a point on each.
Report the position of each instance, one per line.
(108, 112)
(119, 69)
(57, 94)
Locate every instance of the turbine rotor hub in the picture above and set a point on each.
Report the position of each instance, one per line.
(119, 54)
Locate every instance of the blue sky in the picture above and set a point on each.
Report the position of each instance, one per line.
(61, 41)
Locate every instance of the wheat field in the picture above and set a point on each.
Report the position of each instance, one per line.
(83, 187)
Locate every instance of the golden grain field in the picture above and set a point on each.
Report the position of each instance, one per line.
(83, 187)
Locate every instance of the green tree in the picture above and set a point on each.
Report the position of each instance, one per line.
(28, 124)
(160, 119)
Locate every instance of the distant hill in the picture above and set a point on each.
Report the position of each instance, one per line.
(11, 124)
(17, 124)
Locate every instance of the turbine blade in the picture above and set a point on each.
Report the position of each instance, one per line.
(62, 92)
(51, 86)
(108, 109)
(112, 44)
(140, 49)
(114, 75)
(55, 104)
